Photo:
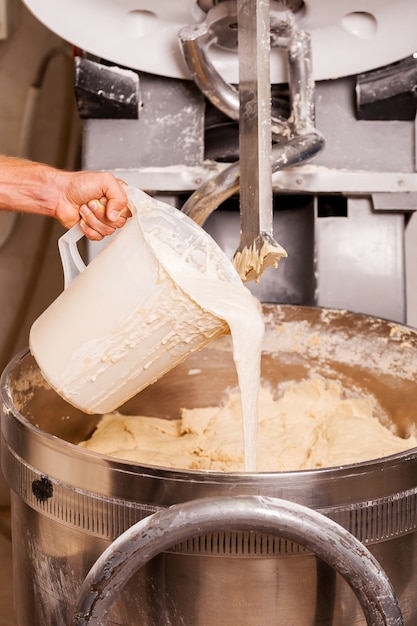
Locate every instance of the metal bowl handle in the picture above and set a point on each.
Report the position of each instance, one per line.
(160, 531)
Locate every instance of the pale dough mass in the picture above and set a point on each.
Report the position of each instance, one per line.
(311, 425)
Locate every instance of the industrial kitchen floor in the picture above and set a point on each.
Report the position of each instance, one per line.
(7, 614)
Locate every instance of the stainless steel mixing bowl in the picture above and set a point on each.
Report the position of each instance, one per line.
(68, 504)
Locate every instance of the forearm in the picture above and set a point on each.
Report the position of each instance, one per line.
(28, 186)
(96, 198)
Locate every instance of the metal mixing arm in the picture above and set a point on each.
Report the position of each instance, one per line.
(208, 197)
(297, 138)
(220, 28)
(294, 522)
(257, 248)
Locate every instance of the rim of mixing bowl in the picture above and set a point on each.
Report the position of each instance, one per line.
(87, 470)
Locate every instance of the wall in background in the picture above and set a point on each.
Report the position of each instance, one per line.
(30, 270)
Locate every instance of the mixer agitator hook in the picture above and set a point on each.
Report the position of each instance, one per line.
(297, 138)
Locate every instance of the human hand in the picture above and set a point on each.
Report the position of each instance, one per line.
(98, 198)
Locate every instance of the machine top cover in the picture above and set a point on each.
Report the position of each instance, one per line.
(348, 37)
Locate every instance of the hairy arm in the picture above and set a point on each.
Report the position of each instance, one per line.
(97, 199)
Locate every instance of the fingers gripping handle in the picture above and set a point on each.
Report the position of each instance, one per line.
(72, 263)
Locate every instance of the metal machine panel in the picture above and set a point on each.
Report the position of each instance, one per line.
(360, 261)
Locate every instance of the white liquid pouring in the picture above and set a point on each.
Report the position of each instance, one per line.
(234, 303)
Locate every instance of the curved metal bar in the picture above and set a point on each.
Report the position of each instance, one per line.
(217, 189)
(195, 42)
(294, 522)
(300, 81)
(299, 140)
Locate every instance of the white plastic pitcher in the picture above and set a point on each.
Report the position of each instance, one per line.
(128, 317)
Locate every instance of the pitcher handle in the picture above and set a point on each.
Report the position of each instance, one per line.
(72, 263)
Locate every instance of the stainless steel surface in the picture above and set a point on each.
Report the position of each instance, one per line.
(356, 259)
(169, 130)
(162, 530)
(7, 612)
(360, 258)
(68, 505)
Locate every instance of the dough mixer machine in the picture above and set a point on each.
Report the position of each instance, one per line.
(341, 215)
